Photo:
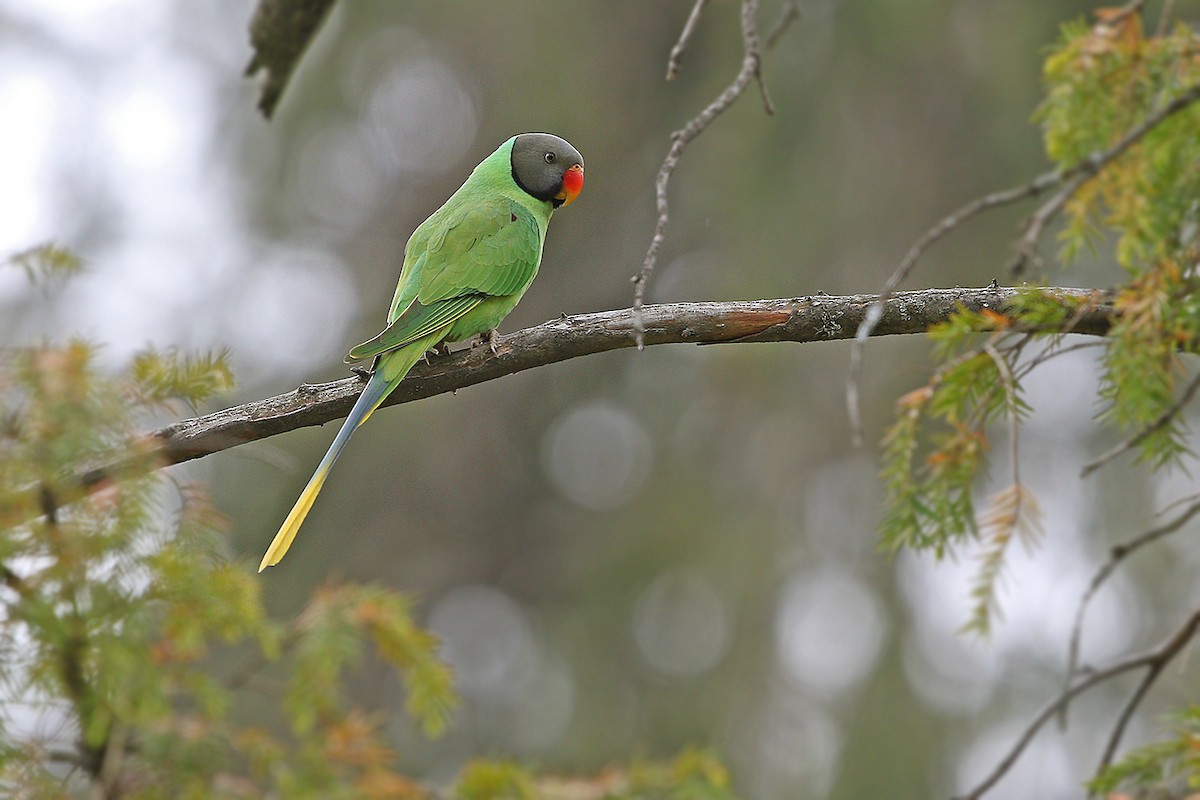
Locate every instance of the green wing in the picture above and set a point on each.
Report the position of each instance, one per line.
(416, 322)
(491, 247)
(463, 254)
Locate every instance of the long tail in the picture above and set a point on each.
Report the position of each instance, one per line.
(388, 374)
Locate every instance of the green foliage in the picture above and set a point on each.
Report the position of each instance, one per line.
(495, 780)
(1170, 768)
(46, 264)
(119, 605)
(142, 645)
(163, 377)
(332, 631)
(936, 448)
(692, 775)
(1103, 81)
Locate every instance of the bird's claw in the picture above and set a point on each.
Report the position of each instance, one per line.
(362, 372)
(441, 349)
(491, 338)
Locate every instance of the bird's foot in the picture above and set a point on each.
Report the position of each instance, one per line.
(362, 372)
(441, 350)
(491, 338)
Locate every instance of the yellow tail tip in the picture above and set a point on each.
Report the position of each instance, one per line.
(295, 518)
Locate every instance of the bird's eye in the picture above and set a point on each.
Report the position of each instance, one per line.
(550, 158)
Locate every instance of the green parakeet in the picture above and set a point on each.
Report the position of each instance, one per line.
(464, 269)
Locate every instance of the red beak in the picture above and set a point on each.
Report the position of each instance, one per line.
(572, 185)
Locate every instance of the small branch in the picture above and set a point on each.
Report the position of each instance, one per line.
(685, 39)
(1127, 712)
(801, 319)
(1118, 554)
(751, 69)
(1075, 176)
(1085, 170)
(1163, 420)
(947, 224)
(1155, 660)
(1163, 656)
(1014, 417)
(789, 13)
(753, 57)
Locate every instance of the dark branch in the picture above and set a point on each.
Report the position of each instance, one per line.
(1154, 661)
(1117, 555)
(801, 319)
(281, 31)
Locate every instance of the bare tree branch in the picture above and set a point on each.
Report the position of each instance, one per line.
(685, 39)
(1154, 660)
(789, 13)
(751, 69)
(1118, 554)
(800, 319)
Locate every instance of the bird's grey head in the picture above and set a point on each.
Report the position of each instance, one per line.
(540, 166)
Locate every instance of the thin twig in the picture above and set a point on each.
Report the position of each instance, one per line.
(1053, 351)
(926, 240)
(750, 70)
(1163, 420)
(1011, 406)
(1164, 19)
(753, 56)
(685, 38)
(789, 13)
(1116, 556)
(1155, 659)
(1173, 646)
(1127, 712)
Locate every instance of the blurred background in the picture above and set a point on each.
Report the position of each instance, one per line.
(631, 552)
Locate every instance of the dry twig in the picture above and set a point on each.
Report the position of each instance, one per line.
(685, 39)
(1153, 660)
(751, 69)
(1118, 554)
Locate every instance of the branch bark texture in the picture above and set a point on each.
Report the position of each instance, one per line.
(801, 319)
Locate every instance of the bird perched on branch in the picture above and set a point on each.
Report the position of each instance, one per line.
(464, 270)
